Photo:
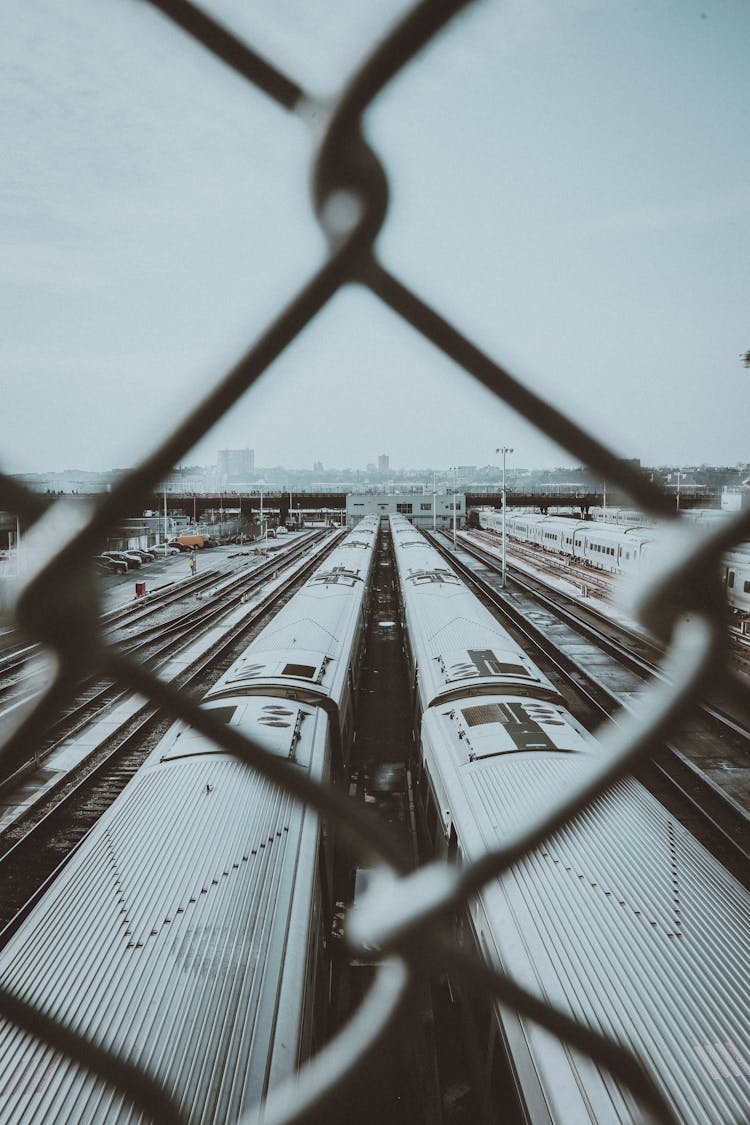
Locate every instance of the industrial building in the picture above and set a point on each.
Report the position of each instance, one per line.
(416, 506)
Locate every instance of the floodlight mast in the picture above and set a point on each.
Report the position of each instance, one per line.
(504, 449)
(454, 470)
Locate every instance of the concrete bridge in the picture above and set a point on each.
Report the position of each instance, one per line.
(193, 505)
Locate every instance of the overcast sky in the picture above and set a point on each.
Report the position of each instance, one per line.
(570, 187)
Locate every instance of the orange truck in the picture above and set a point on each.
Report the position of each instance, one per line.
(191, 542)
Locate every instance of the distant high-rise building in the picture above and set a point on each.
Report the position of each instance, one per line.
(236, 464)
(318, 467)
(383, 463)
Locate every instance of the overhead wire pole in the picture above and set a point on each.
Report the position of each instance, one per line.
(454, 470)
(504, 449)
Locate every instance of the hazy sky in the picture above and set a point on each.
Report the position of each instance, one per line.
(570, 186)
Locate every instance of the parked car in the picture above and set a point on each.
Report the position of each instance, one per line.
(103, 564)
(147, 556)
(133, 562)
(164, 550)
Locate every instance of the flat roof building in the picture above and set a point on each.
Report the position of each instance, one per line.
(416, 506)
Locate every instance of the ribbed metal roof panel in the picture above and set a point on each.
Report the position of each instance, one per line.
(318, 622)
(626, 921)
(164, 939)
(452, 636)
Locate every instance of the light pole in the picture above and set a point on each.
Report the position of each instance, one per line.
(434, 505)
(504, 449)
(454, 470)
(678, 489)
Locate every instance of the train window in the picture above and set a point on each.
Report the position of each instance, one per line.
(304, 671)
(730, 579)
(746, 588)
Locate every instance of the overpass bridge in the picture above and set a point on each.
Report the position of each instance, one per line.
(249, 503)
(196, 505)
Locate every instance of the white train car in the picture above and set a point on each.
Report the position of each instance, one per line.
(624, 549)
(622, 919)
(188, 932)
(626, 517)
(736, 577)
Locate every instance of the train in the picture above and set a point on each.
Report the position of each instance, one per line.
(617, 549)
(188, 933)
(632, 516)
(621, 918)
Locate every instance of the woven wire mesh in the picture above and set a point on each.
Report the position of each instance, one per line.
(399, 919)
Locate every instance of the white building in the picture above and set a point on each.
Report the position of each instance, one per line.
(416, 506)
(735, 497)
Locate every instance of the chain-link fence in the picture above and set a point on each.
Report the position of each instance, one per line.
(398, 919)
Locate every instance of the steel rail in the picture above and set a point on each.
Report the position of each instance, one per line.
(735, 827)
(108, 754)
(172, 644)
(640, 665)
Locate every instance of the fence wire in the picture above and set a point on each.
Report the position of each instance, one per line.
(402, 916)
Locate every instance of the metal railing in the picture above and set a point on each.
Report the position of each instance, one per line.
(399, 918)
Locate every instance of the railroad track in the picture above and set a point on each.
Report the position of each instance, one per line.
(707, 755)
(13, 663)
(597, 583)
(154, 642)
(38, 843)
(589, 582)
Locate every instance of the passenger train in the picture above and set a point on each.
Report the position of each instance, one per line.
(188, 932)
(621, 918)
(623, 549)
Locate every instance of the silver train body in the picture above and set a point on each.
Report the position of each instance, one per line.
(622, 919)
(615, 548)
(187, 933)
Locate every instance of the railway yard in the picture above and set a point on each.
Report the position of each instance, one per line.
(198, 632)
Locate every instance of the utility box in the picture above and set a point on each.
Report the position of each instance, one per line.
(140, 589)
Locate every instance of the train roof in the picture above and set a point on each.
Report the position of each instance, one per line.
(164, 939)
(623, 920)
(491, 725)
(303, 642)
(458, 644)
